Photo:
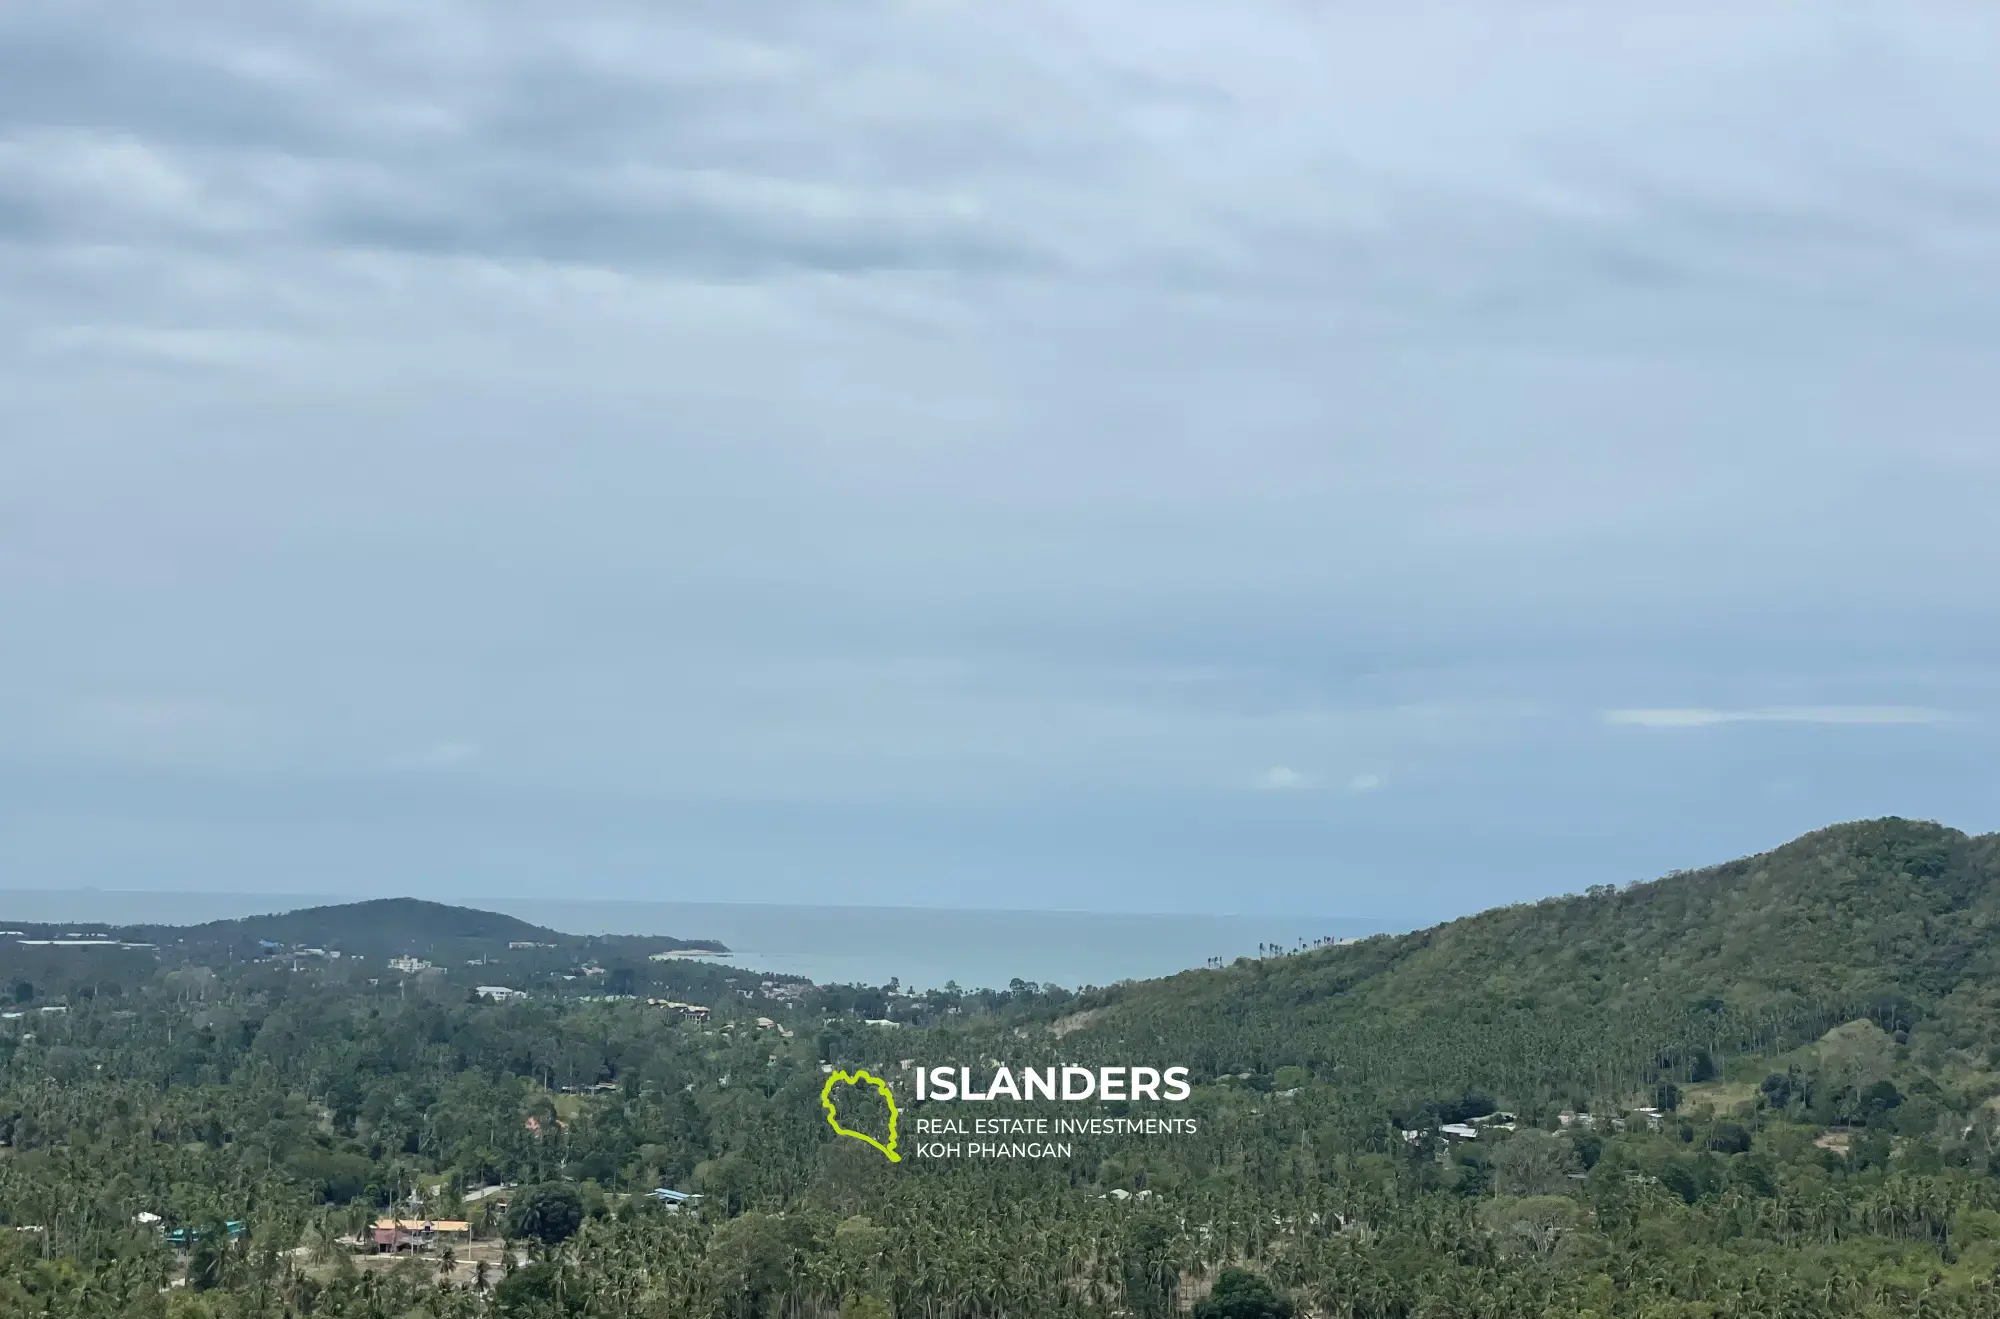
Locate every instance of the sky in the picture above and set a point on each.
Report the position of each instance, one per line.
(1374, 460)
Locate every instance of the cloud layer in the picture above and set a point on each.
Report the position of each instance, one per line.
(955, 451)
(1701, 717)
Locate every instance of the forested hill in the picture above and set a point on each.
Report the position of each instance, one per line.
(1618, 988)
(379, 920)
(1768, 1089)
(376, 928)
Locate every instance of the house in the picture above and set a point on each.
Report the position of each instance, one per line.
(675, 1201)
(408, 965)
(1460, 1131)
(498, 993)
(181, 1238)
(394, 1234)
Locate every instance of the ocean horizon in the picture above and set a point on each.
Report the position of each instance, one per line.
(922, 947)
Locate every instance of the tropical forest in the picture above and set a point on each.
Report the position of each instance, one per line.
(1768, 1088)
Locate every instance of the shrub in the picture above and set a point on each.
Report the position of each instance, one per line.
(550, 1213)
(1241, 1294)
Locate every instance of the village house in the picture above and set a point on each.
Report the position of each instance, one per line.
(398, 1234)
(675, 1201)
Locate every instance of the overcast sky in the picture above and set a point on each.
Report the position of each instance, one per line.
(1357, 459)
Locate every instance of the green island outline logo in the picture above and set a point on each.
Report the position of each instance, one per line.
(882, 1087)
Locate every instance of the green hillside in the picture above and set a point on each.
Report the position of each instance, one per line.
(1766, 1089)
(1604, 994)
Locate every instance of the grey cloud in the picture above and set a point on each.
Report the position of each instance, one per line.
(526, 146)
(1026, 422)
(731, 143)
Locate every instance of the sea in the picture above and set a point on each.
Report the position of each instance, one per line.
(920, 947)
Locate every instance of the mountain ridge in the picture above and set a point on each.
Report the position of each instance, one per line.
(1890, 919)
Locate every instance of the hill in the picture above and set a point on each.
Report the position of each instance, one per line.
(368, 933)
(383, 924)
(1784, 1071)
(1607, 994)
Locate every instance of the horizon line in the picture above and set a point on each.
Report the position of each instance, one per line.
(307, 900)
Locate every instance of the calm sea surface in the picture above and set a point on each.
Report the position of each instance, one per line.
(924, 947)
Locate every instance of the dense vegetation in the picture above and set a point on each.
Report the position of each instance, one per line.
(1761, 1089)
(377, 929)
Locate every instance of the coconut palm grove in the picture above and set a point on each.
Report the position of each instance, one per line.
(1762, 1089)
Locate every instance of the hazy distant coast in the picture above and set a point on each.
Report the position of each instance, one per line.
(922, 947)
